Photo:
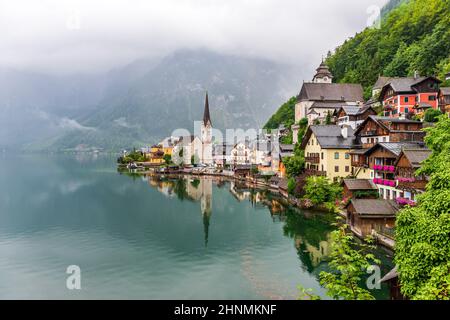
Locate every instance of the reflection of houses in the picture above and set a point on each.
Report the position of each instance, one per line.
(317, 254)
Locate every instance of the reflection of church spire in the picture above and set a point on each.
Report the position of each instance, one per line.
(206, 218)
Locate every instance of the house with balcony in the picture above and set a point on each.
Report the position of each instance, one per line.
(353, 115)
(381, 159)
(403, 97)
(444, 100)
(327, 150)
(381, 129)
(406, 165)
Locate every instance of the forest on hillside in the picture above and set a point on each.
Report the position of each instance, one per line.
(414, 36)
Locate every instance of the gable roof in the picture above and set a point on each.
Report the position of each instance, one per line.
(359, 184)
(395, 148)
(384, 122)
(334, 92)
(445, 91)
(415, 156)
(405, 84)
(381, 82)
(330, 137)
(375, 207)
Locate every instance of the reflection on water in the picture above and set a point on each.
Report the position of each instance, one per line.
(150, 237)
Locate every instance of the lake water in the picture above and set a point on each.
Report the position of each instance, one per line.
(144, 238)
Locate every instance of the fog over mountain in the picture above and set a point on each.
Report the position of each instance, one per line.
(110, 74)
(140, 103)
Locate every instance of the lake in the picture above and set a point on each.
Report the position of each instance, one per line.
(137, 237)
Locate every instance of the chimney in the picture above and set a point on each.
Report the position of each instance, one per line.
(344, 132)
(416, 74)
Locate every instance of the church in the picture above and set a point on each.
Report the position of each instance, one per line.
(199, 149)
(321, 96)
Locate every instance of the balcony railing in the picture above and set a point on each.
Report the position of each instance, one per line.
(385, 182)
(314, 160)
(384, 168)
(387, 232)
(311, 172)
(411, 183)
(369, 133)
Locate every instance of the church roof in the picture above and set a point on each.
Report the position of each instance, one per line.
(206, 115)
(331, 92)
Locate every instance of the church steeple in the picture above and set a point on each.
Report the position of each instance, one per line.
(206, 115)
(323, 74)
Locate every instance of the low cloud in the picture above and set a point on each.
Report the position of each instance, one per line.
(67, 36)
(71, 124)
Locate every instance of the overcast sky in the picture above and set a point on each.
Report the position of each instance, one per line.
(63, 36)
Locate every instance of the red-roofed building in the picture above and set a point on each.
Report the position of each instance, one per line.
(410, 95)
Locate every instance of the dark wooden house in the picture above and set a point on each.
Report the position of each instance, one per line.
(359, 189)
(367, 215)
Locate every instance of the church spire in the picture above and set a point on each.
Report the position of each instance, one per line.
(206, 115)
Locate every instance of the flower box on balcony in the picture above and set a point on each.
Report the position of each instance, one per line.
(405, 202)
(391, 169)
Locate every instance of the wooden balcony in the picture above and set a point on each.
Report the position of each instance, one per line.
(314, 160)
(311, 172)
(411, 184)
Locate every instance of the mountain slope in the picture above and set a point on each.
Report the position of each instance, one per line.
(413, 36)
(243, 93)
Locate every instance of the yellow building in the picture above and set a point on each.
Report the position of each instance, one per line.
(156, 155)
(327, 151)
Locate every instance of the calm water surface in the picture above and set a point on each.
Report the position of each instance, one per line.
(144, 238)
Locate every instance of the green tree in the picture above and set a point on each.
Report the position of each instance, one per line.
(349, 262)
(291, 186)
(294, 165)
(284, 115)
(167, 158)
(422, 232)
(432, 115)
(322, 192)
(328, 119)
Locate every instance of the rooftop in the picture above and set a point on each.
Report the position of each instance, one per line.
(417, 156)
(359, 184)
(375, 207)
(330, 137)
(331, 92)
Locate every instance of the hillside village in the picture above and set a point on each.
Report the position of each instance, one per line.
(370, 148)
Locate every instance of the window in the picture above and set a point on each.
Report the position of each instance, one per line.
(406, 99)
(321, 155)
(347, 156)
(406, 110)
(336, 169)
(336, 155)
(347, 169)
(431, 98)
(384, 139)
(322, 168)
